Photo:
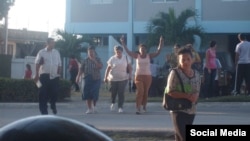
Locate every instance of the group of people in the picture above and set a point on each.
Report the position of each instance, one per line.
(118, 72)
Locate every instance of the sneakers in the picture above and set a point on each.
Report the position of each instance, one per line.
(138, 112)
(120, 110)
(89, 111)
(144, 110)
(112, 107)
(94, 109)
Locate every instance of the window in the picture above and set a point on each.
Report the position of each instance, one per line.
(163, 1)
(101, 1)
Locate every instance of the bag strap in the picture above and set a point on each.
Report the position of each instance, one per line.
(127, 59)
(178, 75)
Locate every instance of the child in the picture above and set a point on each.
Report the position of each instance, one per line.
(28, 72)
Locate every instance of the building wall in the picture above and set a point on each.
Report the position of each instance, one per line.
(216, 16)
(84, 11)
(219, 18)
(223, 10)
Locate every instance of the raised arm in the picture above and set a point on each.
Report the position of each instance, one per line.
(157, 52)
(130, 53)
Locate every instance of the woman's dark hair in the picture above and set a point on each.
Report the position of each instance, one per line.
(142, 45)
(212, 43)
(28, 66)
(91, 47)
(72, 56)
(242, 36)
(50, 40)
(184, 50)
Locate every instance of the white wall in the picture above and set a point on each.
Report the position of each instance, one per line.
(18, 66)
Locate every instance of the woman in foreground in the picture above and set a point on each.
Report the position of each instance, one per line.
(191, 83)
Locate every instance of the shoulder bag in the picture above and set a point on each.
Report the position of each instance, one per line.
(175, 104)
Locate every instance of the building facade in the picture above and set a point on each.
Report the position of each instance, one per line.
(222, 20)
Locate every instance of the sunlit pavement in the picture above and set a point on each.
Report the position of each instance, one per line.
(155, 119)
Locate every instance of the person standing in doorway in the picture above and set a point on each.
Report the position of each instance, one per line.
(143, 76)
(90, 67)
(116, 73)
(242, 61)
(73, 70)
(48, 69)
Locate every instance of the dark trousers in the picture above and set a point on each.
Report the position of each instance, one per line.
(48, 93)
(73, 74)
(153, 90)
(180, 120)
(209, 82)
(243, 73)
(118, 88)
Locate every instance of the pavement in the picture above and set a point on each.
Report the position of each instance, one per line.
(156, 119)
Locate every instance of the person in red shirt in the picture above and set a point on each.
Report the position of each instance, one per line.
(73, 70)
(28, 72)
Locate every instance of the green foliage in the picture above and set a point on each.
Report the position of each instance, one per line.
(174, 29)
(69, 44)
(5, 67)
(5, 7)
(21, 90)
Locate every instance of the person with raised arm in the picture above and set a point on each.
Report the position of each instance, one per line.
(143, 77)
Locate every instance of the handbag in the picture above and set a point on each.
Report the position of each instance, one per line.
(170, 103)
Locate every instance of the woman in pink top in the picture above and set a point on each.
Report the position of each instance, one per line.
(210, 70)
(142, 73)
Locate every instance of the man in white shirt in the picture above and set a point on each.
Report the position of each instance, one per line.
(242, 60)
(48, 67)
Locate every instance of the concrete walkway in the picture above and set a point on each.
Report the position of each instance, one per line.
(155, 120)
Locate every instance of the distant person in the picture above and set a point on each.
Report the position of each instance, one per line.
(143, 77)
(197, 60)
(191, 83)
(90, 67)
(172, 59)
(153, 89)
(210, 69)
(73, 70)
(242, 61)
(28, 72)
(116, 73)
(48, 68)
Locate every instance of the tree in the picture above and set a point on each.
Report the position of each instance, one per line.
(174, 29)
(69, 44)
(5, 7)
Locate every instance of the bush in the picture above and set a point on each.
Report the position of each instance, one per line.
(21, 90)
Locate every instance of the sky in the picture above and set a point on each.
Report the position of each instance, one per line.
(37, 15)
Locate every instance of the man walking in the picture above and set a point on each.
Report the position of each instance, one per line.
(242, 60)
(48, 67)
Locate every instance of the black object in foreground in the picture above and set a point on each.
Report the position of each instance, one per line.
(50, 128)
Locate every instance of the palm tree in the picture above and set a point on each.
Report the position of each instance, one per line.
(69, 44)
(5, 7)
(174, 29)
